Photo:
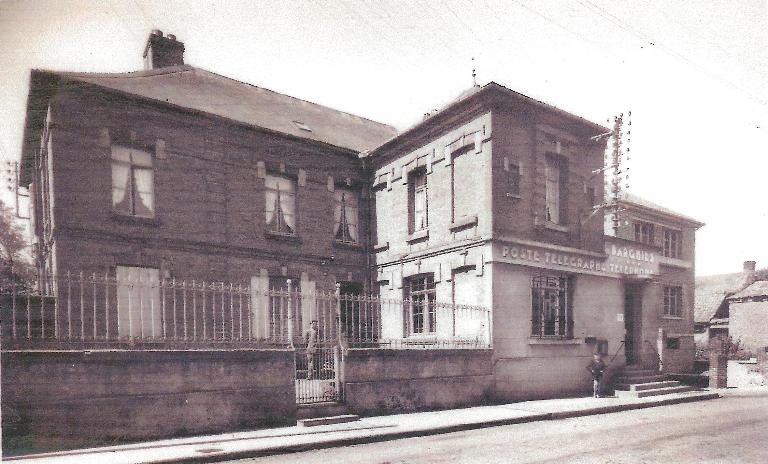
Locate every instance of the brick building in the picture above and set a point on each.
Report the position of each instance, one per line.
(179, 173)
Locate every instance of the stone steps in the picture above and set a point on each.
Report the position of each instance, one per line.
(315, 421)
(638, 379)
(325, 409)
(647, 386)
(653, 392)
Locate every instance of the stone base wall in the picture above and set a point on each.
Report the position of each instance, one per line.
(387, 381)
(57, 400)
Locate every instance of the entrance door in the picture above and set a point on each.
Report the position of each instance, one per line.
(632, 308)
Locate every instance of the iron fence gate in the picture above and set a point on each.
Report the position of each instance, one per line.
(317, 374)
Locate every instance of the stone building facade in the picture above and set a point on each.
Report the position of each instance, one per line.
(176, 172)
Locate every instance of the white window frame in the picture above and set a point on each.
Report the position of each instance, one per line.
(346, 227)
(132, 193)
(280, 224)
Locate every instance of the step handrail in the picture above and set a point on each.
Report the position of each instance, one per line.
(617, 352)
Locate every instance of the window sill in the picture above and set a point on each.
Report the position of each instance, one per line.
(127, 219)
(350, 245)
(282, 237)
(513, 196)
(463, 223)
(553, 341)
(557, 227)
(381, 247)
(418, 236)
(673, 318)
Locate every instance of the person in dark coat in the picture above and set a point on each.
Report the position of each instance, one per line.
(596, 368)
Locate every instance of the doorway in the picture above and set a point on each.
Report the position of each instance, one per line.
(633, 303)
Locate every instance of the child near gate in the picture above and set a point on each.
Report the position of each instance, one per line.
(596, 368)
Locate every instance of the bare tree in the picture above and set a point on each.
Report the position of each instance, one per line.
(15, 267)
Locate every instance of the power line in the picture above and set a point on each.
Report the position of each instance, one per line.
(671, 52)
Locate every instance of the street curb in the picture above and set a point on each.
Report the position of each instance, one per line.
(339, 442)
(632, 406)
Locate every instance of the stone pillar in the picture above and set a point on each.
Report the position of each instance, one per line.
(718, 364)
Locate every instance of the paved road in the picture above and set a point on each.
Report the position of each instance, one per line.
(727, 430)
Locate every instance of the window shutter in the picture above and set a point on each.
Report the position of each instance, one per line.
(404, 175)
(260, 305)
(330, 185)
(428, 162)
(308, 309)
(447, 152)
(478, 141)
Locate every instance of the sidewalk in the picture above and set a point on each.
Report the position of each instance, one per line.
(370, 429)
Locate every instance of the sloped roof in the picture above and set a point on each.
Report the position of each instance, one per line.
(633, 199)
(758, 288)
(200, 90)
(712, 290)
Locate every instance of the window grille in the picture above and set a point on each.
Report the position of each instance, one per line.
(551, 307)
(644, 232)
(420, 304)
(672, 243)
(419, 203)
(673, 301)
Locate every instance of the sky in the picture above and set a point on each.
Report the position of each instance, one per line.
(694, 75)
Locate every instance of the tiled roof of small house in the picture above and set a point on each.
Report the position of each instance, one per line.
(631, 198)
(200, 90)
(758, 288)
(712, 290)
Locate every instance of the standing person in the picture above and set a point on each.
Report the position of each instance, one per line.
(596, 368)
(311, 349)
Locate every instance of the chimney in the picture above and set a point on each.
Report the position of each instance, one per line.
(161, 52)
(749, 272)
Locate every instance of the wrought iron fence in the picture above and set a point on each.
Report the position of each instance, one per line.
(90, 310)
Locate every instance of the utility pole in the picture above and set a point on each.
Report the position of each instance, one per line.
(615, 166)
(619, 176)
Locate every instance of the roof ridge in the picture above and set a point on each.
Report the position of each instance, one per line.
(194, 68)
(116, 75)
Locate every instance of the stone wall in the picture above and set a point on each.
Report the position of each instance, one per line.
(72, 399)
(388, 381)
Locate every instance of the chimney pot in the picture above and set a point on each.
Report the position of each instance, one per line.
(162, 52)
(749, 266)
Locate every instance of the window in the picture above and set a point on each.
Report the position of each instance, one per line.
(133, 191)
(280, 205)
(420, 304)
(644, 232)
(345, 216)
(554, 173)
(673, 343)
(673, 301)
(138, 300)
(418, 201)
(672, 243)
(551, 310)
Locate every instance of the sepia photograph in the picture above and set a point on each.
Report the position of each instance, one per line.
(384, 231)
